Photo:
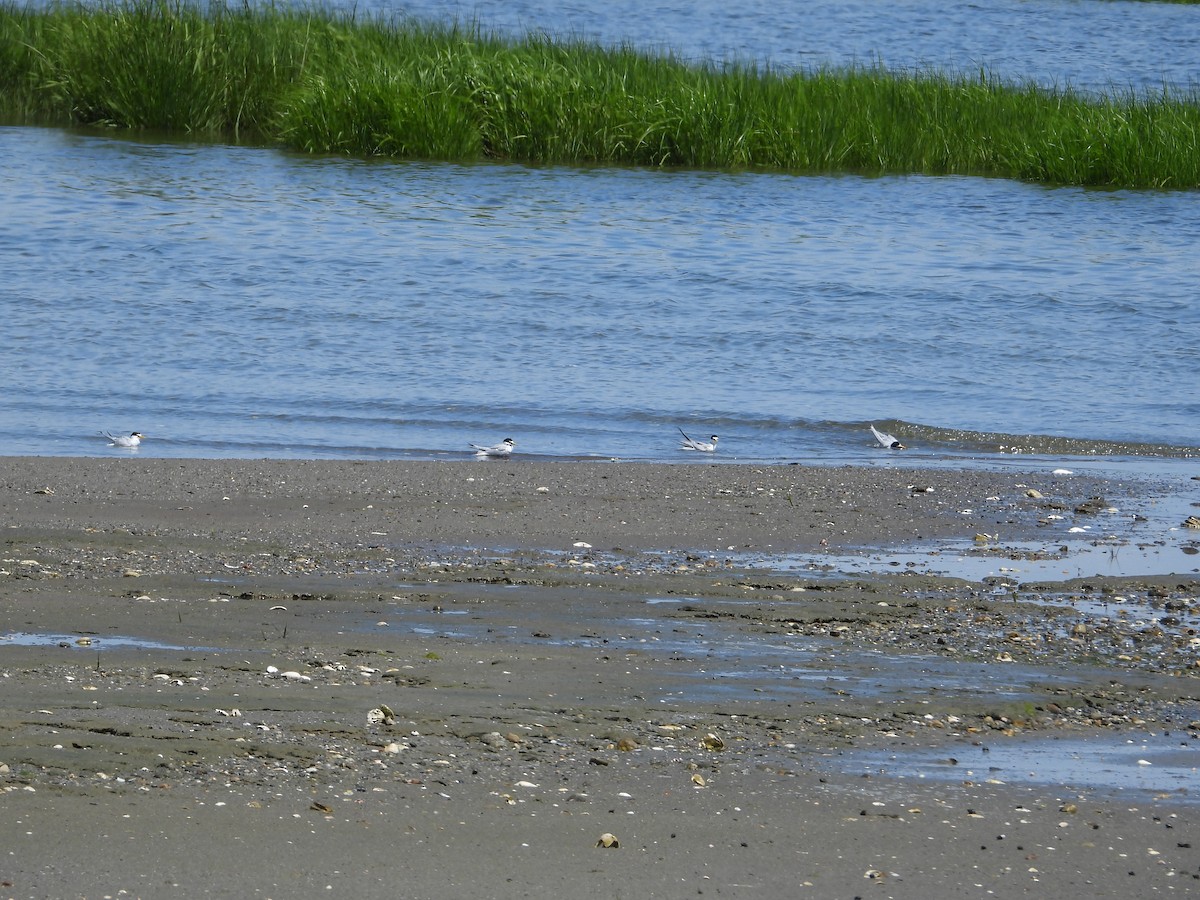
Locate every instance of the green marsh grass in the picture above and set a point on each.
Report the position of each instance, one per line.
(326, 82)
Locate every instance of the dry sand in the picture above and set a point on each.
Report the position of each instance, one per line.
(413, 680)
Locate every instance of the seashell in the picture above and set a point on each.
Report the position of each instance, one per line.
(381, 714)
(698, 780)
(625, 745)
(1191, 522)
(132, 573)
(582, 545)
(295, 676)
(393, 747)
(608, 840)
(271, 670)
(713, 742)
(1034, 494)
(84, 641)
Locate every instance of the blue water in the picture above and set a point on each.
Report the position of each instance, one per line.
(1094, 46)
(245, 302)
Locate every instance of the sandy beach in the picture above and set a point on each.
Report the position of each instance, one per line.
(291, 679)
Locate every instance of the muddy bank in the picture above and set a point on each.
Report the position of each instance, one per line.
(290, 678)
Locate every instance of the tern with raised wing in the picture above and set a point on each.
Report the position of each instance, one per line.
(688, 443)
(129, 441)
(496, 451)
(888, 440)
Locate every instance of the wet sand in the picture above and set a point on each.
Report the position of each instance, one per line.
(450, 679)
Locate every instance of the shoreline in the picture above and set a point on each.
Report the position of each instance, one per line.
(530, 695)
(540, 504)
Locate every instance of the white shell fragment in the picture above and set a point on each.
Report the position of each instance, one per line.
(608, 840)
(381, 715)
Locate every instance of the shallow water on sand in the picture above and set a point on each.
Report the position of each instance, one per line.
(1146, 763)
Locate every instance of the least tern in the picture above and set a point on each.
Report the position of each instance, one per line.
(708, 446)
(128, 442)
(500, 450)
(887, 440)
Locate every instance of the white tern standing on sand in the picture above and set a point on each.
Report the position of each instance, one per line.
(504, 448)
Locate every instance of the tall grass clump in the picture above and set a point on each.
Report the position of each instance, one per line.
(327, 82)
(386, 91)
(149, 64)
